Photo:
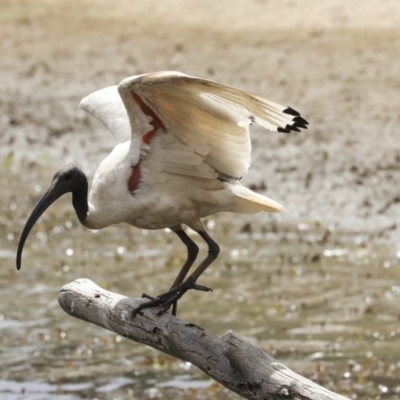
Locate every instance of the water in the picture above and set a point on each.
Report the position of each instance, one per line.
(327, 305)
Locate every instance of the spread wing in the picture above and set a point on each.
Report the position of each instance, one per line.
(106, 105)
(207, 123)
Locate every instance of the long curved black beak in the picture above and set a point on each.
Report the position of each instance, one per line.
(53, 193)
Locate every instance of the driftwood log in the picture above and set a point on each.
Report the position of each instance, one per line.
(236, 364)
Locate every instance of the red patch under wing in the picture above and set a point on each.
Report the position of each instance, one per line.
(134, 179)
(148, 136)
(156, 122)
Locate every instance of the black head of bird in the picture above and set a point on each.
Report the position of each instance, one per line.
(69, 179)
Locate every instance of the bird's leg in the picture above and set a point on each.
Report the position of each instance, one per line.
(178, 291)
(165, 300)
(192, 252)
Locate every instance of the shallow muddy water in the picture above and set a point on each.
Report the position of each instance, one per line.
(325, 304)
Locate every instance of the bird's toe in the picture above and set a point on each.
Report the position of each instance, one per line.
(147, 296)
(200, 287)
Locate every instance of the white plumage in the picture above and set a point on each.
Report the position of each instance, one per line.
(182, 146)
(191, 166)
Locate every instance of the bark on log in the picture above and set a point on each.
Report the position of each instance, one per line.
(236, 364)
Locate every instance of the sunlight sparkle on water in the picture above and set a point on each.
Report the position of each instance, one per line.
(68, 224)
(69, 252)
(358, 240)
(120, 250)
(396, 289)
(388, 296)
(58, 229)
(118, 339)
(334, 252)
(383, 388)
(152, 392)
(387, 264)
(234, 253)
(302, 226)
(40, 235)
(211, 224)
(185, 365)
(37, 188)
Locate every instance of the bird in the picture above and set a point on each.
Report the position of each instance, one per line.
(182, 147)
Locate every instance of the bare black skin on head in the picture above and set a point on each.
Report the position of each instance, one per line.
(68, 179)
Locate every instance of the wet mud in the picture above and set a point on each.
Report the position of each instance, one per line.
(317, 286)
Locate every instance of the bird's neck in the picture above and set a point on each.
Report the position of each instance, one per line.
(80, 201)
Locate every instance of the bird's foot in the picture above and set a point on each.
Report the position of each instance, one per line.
(169, 298)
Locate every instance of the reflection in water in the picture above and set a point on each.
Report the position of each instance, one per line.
(329, 308)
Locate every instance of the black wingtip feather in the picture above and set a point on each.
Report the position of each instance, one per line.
(298, 124)
(290, 111)
(299, 121)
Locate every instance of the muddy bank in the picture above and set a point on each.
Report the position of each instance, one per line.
(339, 71)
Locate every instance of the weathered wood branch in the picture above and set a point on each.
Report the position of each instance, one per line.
(236, 364)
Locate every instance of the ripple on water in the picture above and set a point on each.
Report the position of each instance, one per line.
(38, 390)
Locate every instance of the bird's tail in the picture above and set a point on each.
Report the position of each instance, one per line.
(248, 202)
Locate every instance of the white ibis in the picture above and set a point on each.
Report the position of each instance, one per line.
(182, 147)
